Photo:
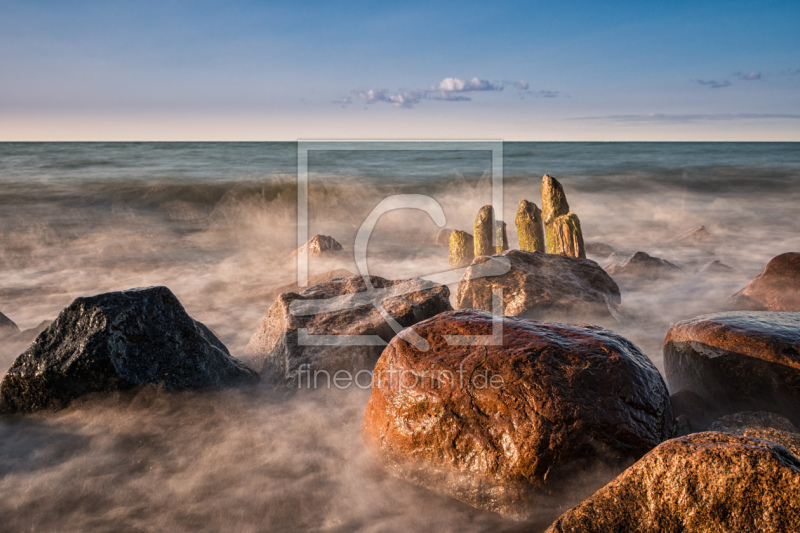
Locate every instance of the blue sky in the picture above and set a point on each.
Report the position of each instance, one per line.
(180, 70)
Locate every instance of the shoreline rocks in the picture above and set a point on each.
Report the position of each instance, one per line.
(542, 286)
(761, 425)
(777, 288)
(741, 360)
(704, 482)
(115, 342)
(7, 327)
(529, 227)
(282, 348)
(643, 266)
(320, 245)
(496, 426)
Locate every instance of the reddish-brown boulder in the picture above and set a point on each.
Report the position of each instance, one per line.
(498, 425)
(738, 360)
(761, 425)
(777, 288)
(542, 286)
(340, 307)
(704, 483)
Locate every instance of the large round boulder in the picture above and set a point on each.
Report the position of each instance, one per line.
(777, 288)
(704, 483)
(116, 341)
(521, 414)
(336, 325)
(541, 286)
(740, 360)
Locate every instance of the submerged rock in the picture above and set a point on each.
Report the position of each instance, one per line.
(28, 335)
(529, 227)
(320, 245)
(599, 248)
(542, 286)
(284, 348)
(777, 288)
(643, 266)
(484, 230)
(761, 425)
(443, 237)
(716, 267)
(462, 249)
(7, 326)
(704, 483)
(564, 236)
(498, 425)
(116, 341)
(692, 236)
(738, 360)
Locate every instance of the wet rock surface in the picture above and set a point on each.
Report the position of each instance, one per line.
(691, 412)
(777, 288)
(542, 286)
(117, 341)
(761, 425)
(704, 482)
(281, 346)
(740, 360)
(496, 426)
(643, 266)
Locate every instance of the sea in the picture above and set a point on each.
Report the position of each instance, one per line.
(217, 223)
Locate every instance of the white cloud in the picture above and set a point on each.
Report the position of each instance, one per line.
(456, 85)
(749, 76)
(714, 84)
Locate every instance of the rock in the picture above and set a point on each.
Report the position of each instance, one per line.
(501, 236)
(777, 288)
(117, 341)
(7, 327)
(554, 201)
(694, 412)
(716, 267)
(529, 227)
(312, 280)
(542, 286)
(694, 235)
(28, 335)
(738, 360)
(497, 425)
(703, 483)
(643, 266)
(320, 245)
(339, 307)
(443, 237)
(761, 425)
(599, 248)
(462, 249)
(564, 236)
(484, 224)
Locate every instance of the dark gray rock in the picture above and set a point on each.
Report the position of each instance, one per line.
(643, 266)
(738, 361)
(338, 307)
(7, 327)
(542, 286)
(117, 341)
(599, 248)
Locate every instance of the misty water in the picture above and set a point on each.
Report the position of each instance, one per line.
(217, 223)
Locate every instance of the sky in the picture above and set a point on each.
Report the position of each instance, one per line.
(494, 70)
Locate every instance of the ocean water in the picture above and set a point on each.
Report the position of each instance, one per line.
(217, 222)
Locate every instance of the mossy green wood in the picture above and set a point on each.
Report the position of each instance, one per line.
(462, 249)
(501, 237)
(564, 236)
(529, 227)
(484, 229)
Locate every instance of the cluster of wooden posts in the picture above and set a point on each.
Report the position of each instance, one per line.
(553, 229)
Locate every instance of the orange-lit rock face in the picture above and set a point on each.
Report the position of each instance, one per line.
(703, 482)
(777, 288)
(494, 426)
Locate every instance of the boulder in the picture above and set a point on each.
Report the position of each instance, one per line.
(117, 341)
(7, 327)
(284, 347)
(484, 229)
(312, 280)
(462, 249)
(642, 266)
(703, 483)
(716, 267)
(320, 245)
(738, 360)
(564, 236)
(529, 227)
(692, 236)
(599, 248)
(499, 424)
(691, 411)
(542, 286)
(777, 288)
(28, 335)
(761, 425)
